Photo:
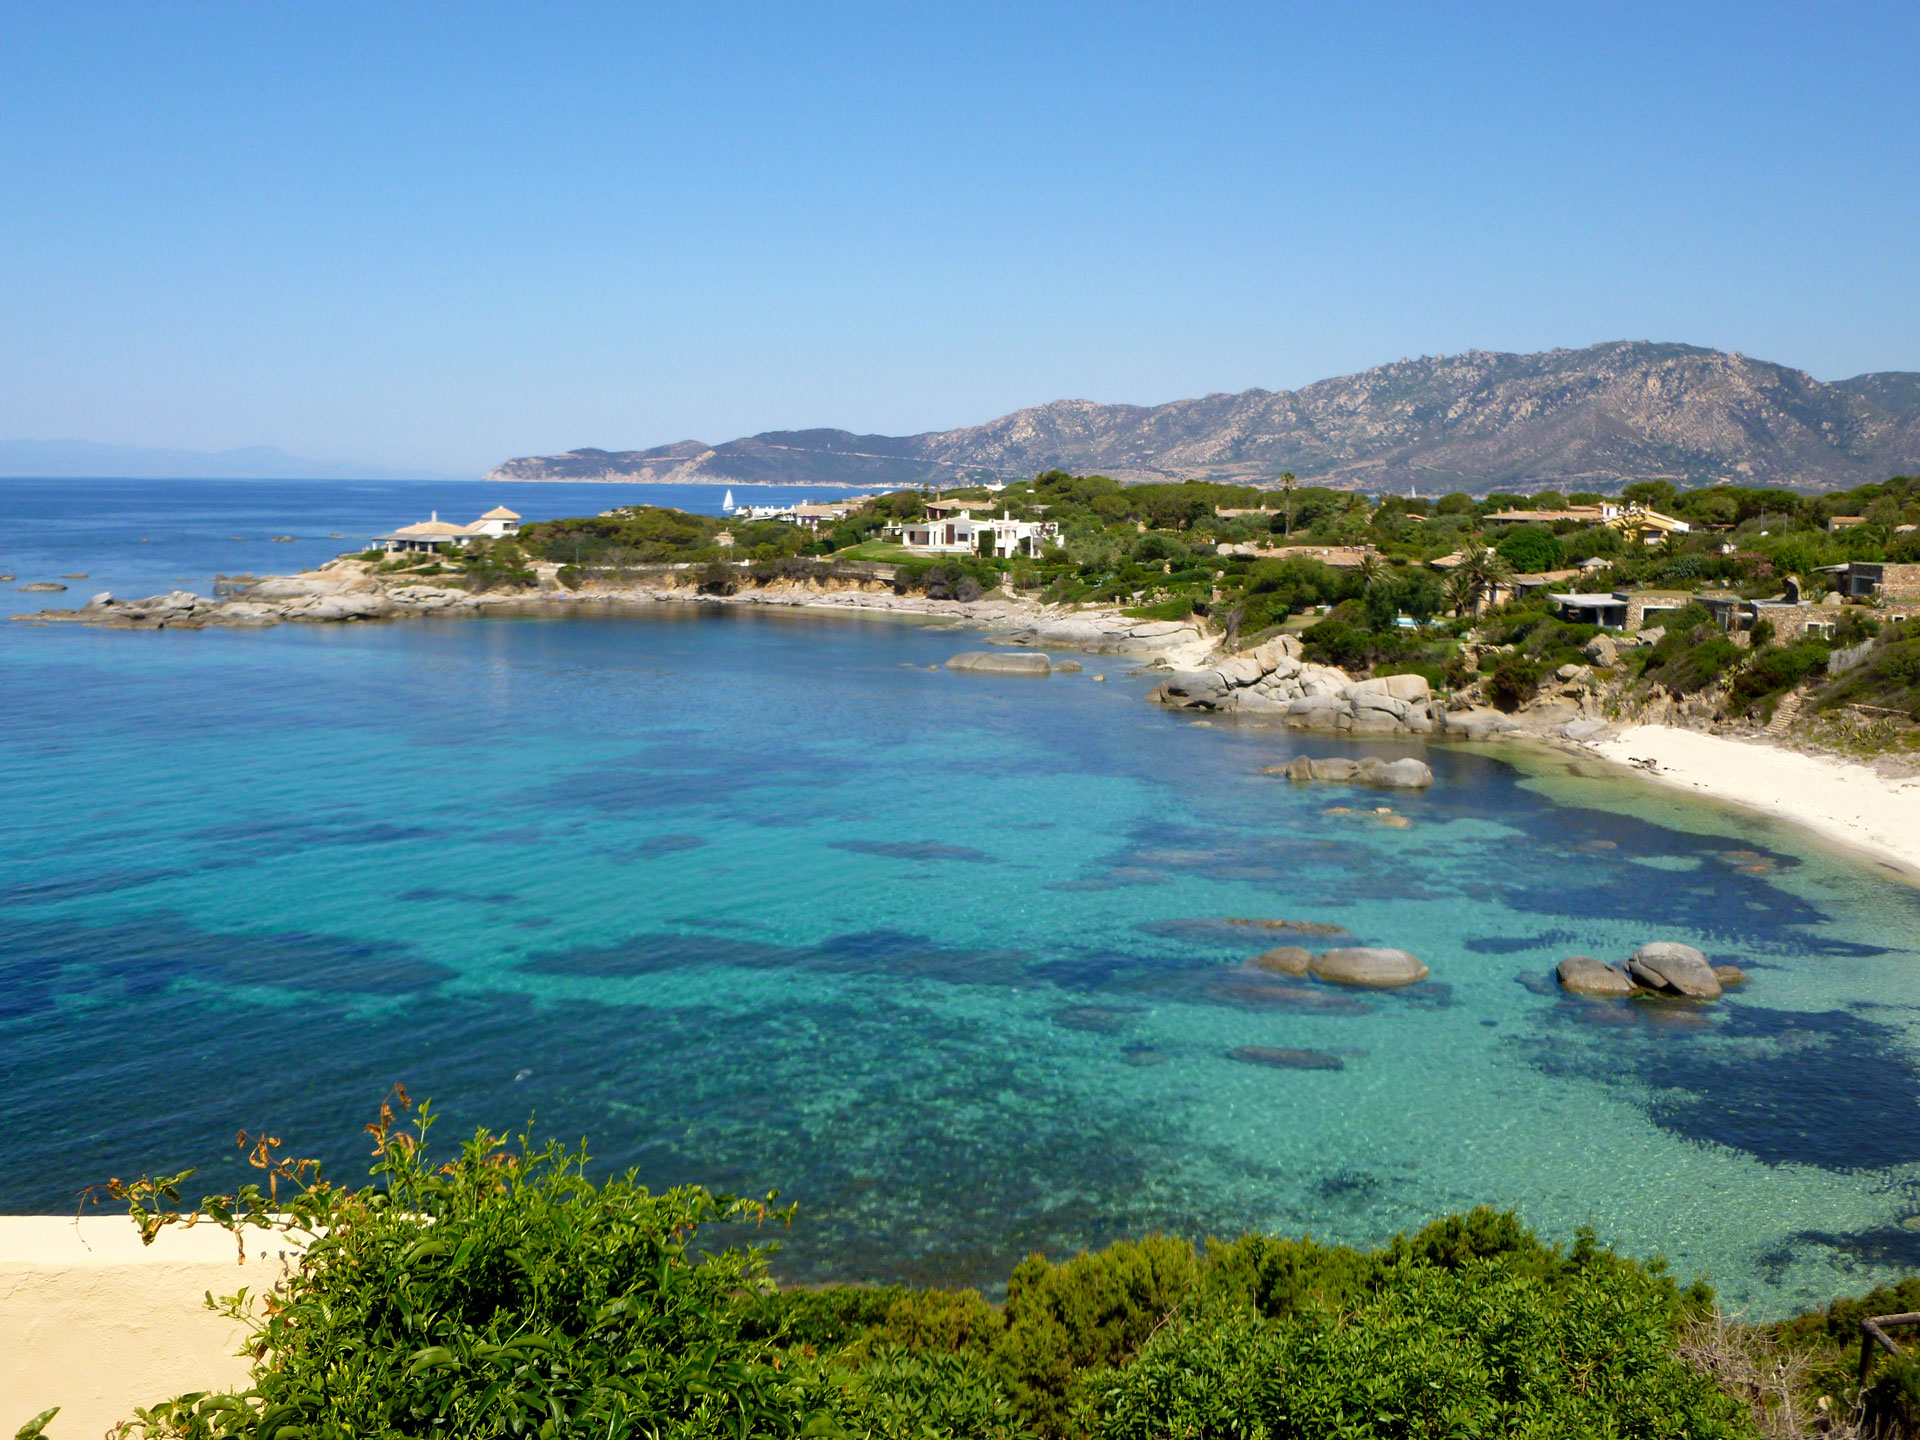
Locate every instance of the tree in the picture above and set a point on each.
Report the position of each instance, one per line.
(1461, 591)
(1654, 494)
(1530, 549)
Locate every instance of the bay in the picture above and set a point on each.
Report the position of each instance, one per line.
(774, 900)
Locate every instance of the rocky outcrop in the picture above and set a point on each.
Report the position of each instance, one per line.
(1403, 774)
(1271, 679)
(1376, 969)
(1674, 969)
(990, 662)
(1584, 975)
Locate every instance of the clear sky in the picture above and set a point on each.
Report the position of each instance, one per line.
(442, 235)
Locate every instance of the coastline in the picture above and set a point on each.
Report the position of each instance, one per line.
(1841, 802)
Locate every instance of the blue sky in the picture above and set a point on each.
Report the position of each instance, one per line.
(439, 236)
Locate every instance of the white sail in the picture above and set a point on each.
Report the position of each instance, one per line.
(727, 504)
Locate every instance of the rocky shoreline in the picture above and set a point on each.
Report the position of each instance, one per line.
(352, 589)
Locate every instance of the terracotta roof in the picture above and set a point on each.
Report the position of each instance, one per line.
(500, 512)
(428, 528)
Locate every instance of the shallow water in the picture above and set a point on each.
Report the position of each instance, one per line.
(775, 901)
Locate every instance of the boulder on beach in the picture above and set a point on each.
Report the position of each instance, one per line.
(1375, 968)
(990, 663)
(1674, 969)
(1285, 960)
(1584, 975)
(1284, 1059)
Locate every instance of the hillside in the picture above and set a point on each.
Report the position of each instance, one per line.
(1591, 419)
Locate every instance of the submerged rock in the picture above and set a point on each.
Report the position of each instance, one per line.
(1285, 960)
(987, 662)
(1068, 667)
(1674, 969)
(1729, 976)
(1286, 1059)
(1584, 975)
(1373, 967)
(1288, 997)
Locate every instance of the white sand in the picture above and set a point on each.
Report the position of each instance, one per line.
(96, 1323)
(1858, 807)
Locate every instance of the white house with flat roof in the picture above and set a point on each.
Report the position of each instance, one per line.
(961, 534)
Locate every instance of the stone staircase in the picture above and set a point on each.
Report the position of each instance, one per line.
(1784, 712)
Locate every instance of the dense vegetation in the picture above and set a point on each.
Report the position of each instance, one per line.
(505, 1293)
(1245, 561)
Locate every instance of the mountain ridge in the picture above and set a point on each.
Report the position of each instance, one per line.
(1596, 418)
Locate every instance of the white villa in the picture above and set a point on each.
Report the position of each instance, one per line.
(955, 534)
(496, 524)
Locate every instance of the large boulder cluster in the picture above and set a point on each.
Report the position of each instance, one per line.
(1272, 679)
(1663, 967)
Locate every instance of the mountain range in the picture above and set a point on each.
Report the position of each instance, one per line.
(1590, 419)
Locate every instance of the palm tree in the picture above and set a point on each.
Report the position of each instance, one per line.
(1286, 484)
(1462, 591)
(1373, 568)
(1488, 569)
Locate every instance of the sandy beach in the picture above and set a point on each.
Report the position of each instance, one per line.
(1850, 804)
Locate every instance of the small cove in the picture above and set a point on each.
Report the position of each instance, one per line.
(770, 900)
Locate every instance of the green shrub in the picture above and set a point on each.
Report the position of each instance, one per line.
(1779, 669)
(500, 1293)
(1484, 1348)
(1177, 608)
(1091, 1311)
(1514, 679)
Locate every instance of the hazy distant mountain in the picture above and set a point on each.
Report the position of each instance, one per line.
(65, 458)
(1590, 419)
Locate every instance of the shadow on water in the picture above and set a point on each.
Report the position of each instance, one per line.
(1821, 1088)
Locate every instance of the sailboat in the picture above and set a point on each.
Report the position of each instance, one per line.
(726, 505)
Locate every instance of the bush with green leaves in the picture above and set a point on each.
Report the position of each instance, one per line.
(505, 1293)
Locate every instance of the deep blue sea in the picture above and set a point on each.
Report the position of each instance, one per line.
(773, 900)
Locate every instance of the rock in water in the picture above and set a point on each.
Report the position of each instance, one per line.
(1729, 976)
(1377, 969)
(1674, 969)
(42, 587)
(1584, 975)
(1287, 1059)
(1068, 667)
(1404, 774)
(988, 662)
(1286, 960)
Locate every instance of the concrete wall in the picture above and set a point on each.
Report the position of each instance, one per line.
(96, 1323)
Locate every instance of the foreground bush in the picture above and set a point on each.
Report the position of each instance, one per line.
(503, 1293)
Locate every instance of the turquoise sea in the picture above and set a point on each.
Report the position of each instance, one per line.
(773, 900)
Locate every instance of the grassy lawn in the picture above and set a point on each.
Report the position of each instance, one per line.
(881, 551)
